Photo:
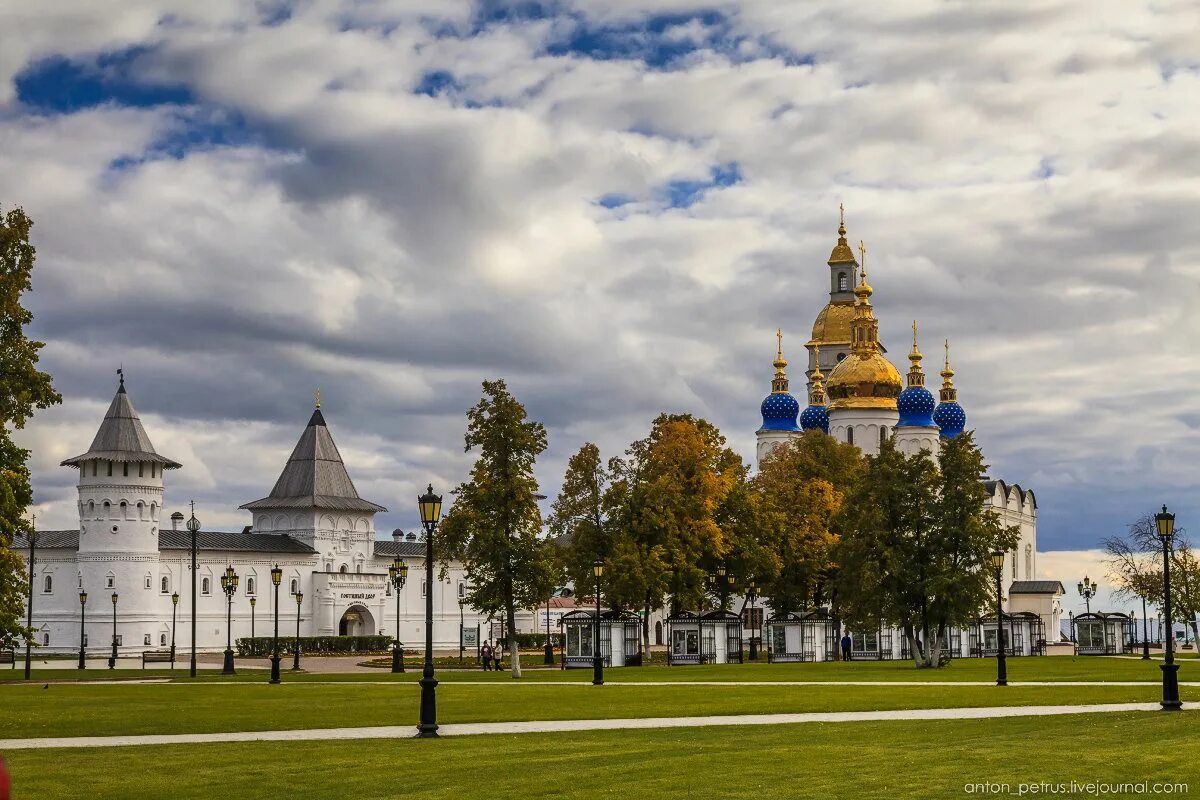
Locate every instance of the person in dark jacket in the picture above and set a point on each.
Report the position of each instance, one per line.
(846, 644)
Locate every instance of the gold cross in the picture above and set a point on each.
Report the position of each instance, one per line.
(842, 213)
(779, 336)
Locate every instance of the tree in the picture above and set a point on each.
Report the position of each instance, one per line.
(916, 543)
(494, 525)
(23, 389)
(798, 491)
(578, 519)
(1134, 563)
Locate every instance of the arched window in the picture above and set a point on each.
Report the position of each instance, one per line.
(141, 507)
(91, 508)
(343, 569)
(249, 585)
(843, 284)
(165, 584)
(841, 356)
(45, 639)
(125, 468)
(658, 633)
(358, 568)
(295, 585)
(95, 468)
(162, 640)
(141, 469)
(48, 586)
(205, 586)
(882, 434)
(329, 566)
(849, 435)
(107, 508)
(124, 507)
(109, 468)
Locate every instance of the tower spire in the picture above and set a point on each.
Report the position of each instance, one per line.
(842, 254)
(948, 393)
(816, 393)
(916, 376)
(780, 384)
(864, 328)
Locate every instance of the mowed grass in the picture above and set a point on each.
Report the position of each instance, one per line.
(927, 759)
(1048, 668)
(89, 709)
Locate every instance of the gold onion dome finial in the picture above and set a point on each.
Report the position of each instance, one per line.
(780, 383)
(842, 254)
(865, 378)
(916, 376)
(948, 394)
(816, 394)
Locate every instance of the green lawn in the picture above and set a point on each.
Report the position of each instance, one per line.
(847, 760)
(89, 709)
(1049, 668)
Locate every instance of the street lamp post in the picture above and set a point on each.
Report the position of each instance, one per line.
(1001, 663)
(597, 658)
(193, 526)
(462, 626)
(1087, 590)
(82, 627)
(1164, 524)
(29, 616)
(174, 608)
(229, 584)
(398, 574)
(276, 579)
(112, 659)
(752, 596)
(253, 603)
(296, 645)
(430, 506)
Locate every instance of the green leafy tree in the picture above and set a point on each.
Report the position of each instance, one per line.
(23, 389)
(494, 526)
(798, 492)
(579, 520)
(1134, 563)
(916, 543)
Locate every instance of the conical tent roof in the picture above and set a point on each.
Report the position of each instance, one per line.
(121, 437)
(314, 476)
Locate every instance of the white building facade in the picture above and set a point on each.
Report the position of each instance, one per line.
(313, 525)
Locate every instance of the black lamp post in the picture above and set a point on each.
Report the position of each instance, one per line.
(430, 506)
(1164, 524)
(296, 645)
(276, 579)
(1001, 663)
(598, 657)
(752, 596)
(229, 584)
(398, 574)
(29, 616)
(82, 627)
(112, 659)
(193, 526)
(1087, 590)
(253, 603)
(174, 608)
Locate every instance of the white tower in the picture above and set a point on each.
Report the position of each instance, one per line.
(864, 385)
(916, 430)
(120, 501)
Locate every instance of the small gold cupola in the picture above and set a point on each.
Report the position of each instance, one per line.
(779, 384)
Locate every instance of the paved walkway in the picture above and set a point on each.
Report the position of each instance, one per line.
(566, 726)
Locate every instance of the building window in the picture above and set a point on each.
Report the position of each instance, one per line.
(882, 434)
(205, 586)
(146, 640)
(358, 568)
(423, 587)
(125, 468)
(165, 584)
(45, 639)
(109, 469)
(85, 640)
(120, 640)
(849, 435)
(295, 585)
(95, 468)
(329, 566)
(1014, 564)
(162, 640)
(249, 585)
(147, 581)
(343, 569)
(142, 474)
(462, 590)
(48, 584)
(843, 284)
(387, 588)
(110, 582)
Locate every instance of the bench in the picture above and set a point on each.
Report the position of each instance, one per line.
(781, 657)
(8, 657)
(157, 657)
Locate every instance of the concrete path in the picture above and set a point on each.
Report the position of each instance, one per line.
(566, 726)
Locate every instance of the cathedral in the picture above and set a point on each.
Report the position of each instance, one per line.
(857, 395)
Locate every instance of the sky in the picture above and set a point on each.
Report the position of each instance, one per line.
(611, 205)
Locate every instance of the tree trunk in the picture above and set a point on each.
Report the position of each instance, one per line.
(510, 612)
(913, 649)
(646, 633)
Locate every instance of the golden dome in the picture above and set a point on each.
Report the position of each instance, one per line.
(864, 381)
(832, 325)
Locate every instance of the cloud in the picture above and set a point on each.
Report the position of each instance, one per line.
(613, 206)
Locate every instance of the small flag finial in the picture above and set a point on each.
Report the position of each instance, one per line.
(317, 397)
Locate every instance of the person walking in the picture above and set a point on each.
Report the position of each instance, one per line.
(485, 654)
(846, 645)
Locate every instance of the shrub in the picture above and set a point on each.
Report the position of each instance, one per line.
(261, 645)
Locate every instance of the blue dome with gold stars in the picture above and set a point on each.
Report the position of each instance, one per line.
(951, 418)
(779, 412)
(915, 403)
(815, 418)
